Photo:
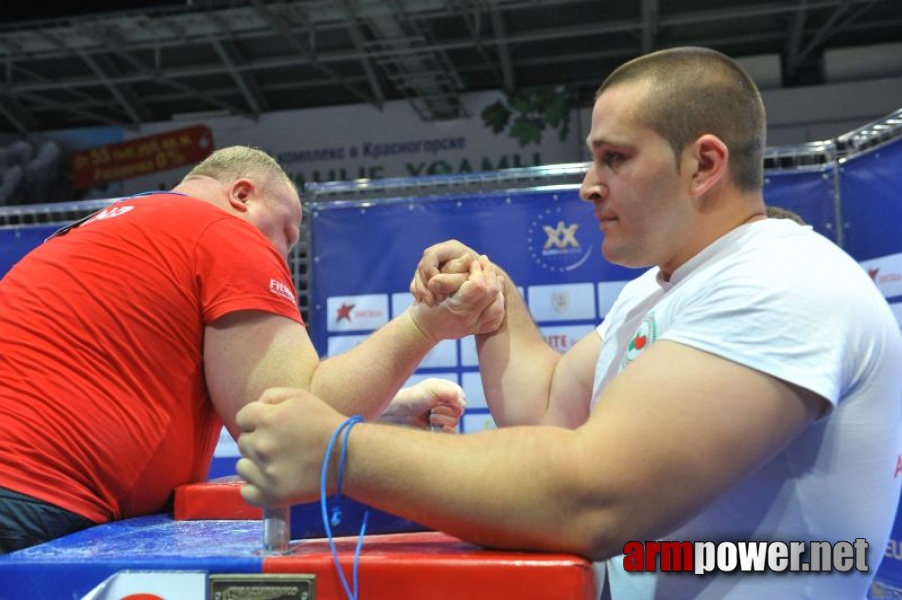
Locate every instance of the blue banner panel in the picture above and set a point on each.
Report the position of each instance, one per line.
(364, 255)
(808, 193)
(372, 248)
(872, 215)
(16, 242)
(872, 203)
(500, 225)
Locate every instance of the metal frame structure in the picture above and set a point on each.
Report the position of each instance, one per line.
(201, 58)
(828, 154)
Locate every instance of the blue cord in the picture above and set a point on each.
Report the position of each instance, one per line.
(345, 427)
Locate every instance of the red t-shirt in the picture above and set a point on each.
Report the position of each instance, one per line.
(103, 405)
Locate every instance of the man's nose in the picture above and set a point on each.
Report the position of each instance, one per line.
(592, 189)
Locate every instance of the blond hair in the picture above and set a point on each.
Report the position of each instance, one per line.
(234, 162)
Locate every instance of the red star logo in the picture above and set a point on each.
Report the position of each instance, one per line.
(873, 273)
(344, 312)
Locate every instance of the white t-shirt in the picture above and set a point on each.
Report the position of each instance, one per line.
(781, 299)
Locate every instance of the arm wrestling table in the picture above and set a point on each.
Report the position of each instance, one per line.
(211, 549)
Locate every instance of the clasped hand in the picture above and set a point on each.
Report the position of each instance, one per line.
(457, 292)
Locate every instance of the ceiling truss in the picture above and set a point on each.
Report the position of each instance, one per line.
(249, 58)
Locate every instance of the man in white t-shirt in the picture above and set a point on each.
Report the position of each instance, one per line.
(746, 389)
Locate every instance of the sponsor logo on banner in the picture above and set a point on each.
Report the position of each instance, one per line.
(357, 313)
(563, 337)
(560, 301)
(886, 273)
(564, 302)
(555, 241)
(343, 313)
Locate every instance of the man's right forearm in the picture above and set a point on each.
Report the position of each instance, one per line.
(516, 364)
(365, 378)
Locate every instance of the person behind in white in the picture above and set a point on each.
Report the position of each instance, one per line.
(745, 388)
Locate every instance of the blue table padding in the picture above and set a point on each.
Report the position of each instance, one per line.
(307, 520)
(72, 566)
(221, 499)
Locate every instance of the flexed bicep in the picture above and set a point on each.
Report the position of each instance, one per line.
(246, 352)
(571, 386)
(669, 428)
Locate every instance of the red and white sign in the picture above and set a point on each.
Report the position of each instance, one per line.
(152, 585)
(141, 156)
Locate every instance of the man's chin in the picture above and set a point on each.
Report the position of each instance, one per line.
(614, 257)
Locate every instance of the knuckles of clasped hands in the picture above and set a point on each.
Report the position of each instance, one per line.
(469, 283)
(442, 270)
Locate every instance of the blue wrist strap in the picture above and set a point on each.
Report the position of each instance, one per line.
(335, 519)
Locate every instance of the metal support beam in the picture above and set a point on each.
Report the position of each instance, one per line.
(504, 53)
(279, 26)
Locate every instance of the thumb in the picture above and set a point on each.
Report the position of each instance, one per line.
(461, 264)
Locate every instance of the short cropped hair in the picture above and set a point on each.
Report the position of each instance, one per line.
(695, 91)
(234, 162)
(778, 212)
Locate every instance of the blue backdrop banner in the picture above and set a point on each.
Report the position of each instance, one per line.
(364, 255)
(16, 242)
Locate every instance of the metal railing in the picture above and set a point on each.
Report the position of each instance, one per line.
(814, 155)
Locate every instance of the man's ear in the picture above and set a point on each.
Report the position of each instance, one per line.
(240, 191)
(709, 159)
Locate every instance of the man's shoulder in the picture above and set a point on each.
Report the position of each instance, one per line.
(179, 213)
(173, 205)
